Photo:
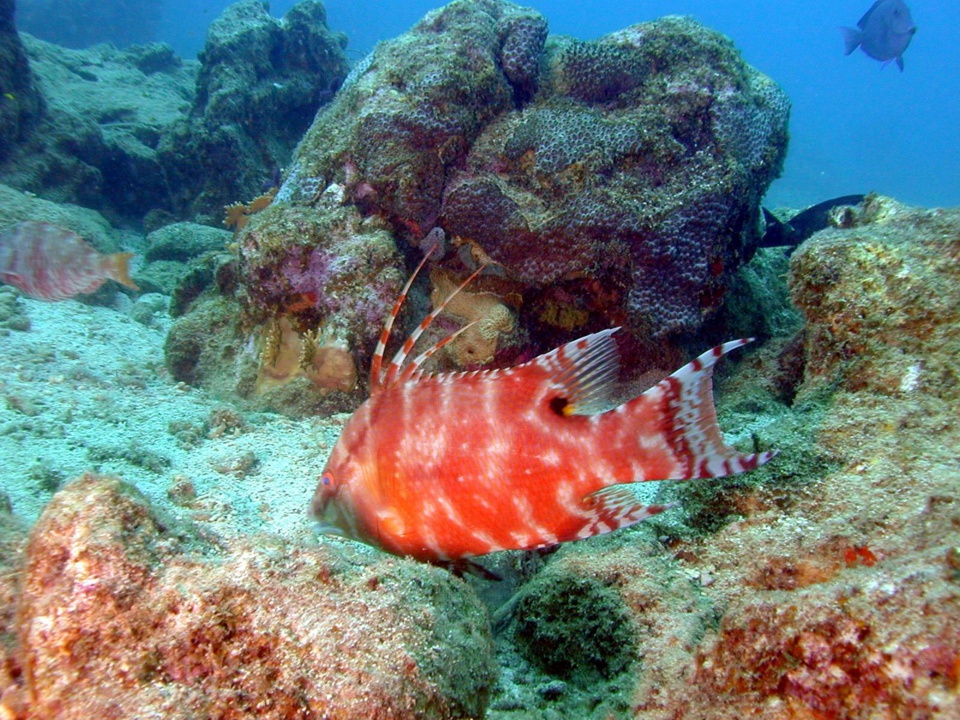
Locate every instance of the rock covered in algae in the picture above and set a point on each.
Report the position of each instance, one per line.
(260, 83)
(638, 166)
(609, 181)
(882, 300)
(829, 582)
(123, 616)
(22, 104)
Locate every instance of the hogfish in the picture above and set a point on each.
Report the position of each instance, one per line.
(445, 466)
(49, 262)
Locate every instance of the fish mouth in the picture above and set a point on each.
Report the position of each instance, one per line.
(324, 528)
(318, 505)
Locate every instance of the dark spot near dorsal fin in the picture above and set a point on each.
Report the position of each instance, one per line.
(558, 405)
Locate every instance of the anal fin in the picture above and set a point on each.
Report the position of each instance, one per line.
(616, 507)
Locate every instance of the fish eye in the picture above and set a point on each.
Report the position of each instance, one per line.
(327, 479)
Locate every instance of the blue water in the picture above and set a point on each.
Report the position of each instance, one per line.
(855, 127)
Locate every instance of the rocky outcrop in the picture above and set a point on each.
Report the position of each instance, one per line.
(20, 103)
(146, 137)
(261, 81)
(601, 183)
(125, 614)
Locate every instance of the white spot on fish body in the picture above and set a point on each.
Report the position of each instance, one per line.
(551, 458)
(521, 539)
(523, 506)
(449, 509)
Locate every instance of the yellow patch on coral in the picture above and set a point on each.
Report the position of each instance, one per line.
(563, 316)
(237, 215)
(287, 354)
(476, 344)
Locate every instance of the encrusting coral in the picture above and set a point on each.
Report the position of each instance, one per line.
(287, 354)
(634, 163)
(488, 316)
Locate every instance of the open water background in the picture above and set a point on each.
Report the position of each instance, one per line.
(855, 126)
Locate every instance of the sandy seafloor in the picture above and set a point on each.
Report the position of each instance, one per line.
(85, 388)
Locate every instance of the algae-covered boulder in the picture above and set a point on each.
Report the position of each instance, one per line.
(22, 105)
(106, 110)
(152, 621)
(881, 295)
(261, 81)
(614, 181)
(141, 132)
(632, 180)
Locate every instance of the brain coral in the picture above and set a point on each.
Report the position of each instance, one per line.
(639, 163)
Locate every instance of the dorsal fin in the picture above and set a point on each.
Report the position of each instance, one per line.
(380, 378)
(584, 373)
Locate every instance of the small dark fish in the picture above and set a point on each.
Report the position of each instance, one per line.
(883, 33)
(802, 225)
(52, 263)
(326, 95)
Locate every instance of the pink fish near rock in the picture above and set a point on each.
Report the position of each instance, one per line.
(52, 263)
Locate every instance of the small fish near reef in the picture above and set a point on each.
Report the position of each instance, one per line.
(443, 467)
(49, 262)
(883, 33)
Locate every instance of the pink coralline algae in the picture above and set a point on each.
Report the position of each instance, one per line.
(325, 267)
(118, 619)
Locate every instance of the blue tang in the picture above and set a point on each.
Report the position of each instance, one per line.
(883, 33)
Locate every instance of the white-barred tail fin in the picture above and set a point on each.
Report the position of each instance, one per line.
(688, 421)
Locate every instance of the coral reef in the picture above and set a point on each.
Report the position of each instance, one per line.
(879, 296)
(122, 613)
(237, 215)
(287, 354)
(321, 265)
(180, 260)
(606, 174)
(106, 110)
(522, 34)
(142, 135)
(485, 311)
(822, 586)
(614, 181)
(260, 83)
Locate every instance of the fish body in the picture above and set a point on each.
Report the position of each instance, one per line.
(802, 225)
(49, 262)
(442, 467)
(883, 33)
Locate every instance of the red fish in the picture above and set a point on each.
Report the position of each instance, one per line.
(51, 263)
(442, 467)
